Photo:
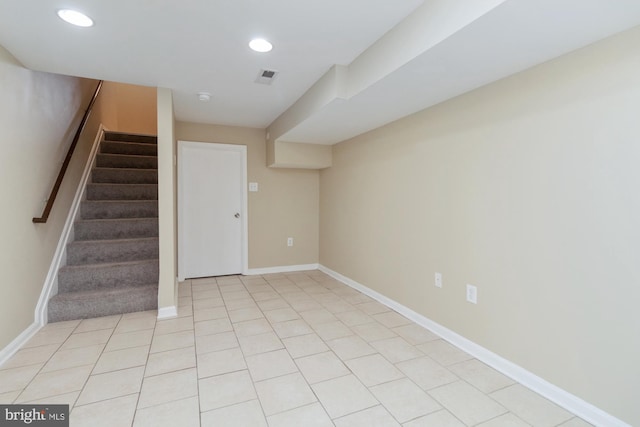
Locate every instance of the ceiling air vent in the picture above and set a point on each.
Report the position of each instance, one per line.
(266, 77)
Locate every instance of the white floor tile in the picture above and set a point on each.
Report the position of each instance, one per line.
(404, 400)
(262, 343)
(246, 414)
(444, 353)
(252, 327)
(121, 359)
(183, 413)
(129, 339)
(220, 362)
(373, 370)
(292, 328)
(55, 383)
(16, 379)
(344, 395)
(467, 403)
(531, 407)
(321, 367)
(427, 373)
(169, 361)
(216, 342)
(168, 387)
(172, 341)
(64, 359)
(304, 345)
(506, 420)
(351, 347)
(441, 418)
(396, 349)
(271, 364)
(284, 393)
(312, 415)
(481, 376)
(224, 390)
(111, 384)
(116, 412)
(372, 417)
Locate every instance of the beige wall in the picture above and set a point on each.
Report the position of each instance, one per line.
(298, 156)
(286, 204)
(527, 188)
(167, 201)
(39, 113)
(129, 108)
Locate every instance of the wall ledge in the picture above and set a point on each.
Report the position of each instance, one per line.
(560, 397)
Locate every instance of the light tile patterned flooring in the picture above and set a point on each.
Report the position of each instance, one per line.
(298, 349)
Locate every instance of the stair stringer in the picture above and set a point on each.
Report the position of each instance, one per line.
(50, 286)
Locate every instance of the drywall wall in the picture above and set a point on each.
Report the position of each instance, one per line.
(129, 108)
(526, 188)
(286, 204)
(167, 201)
(39, 114)
(294, 155)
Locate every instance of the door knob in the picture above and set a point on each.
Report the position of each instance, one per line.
(237, 215)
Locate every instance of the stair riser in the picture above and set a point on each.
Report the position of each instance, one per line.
(98, 277)
(109, 147)
(142, 139)
(124, 176)
(138, 299)
(79, 253)
(122, 229)
(122, 192)
(130, 209)
(126, 161)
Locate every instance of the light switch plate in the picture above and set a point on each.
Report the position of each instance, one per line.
(253, 186)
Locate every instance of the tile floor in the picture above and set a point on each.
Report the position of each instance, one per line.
(298, 349)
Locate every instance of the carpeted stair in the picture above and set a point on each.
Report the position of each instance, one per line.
(112, 264)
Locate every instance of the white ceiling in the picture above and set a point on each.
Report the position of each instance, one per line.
(201, 45)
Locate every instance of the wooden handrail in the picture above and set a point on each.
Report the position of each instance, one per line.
(67, 160)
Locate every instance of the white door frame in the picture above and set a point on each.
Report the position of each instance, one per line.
(244, 215)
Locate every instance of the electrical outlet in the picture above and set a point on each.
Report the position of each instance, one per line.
(438, 280)
(253, 186)
(472, 294)
(290, 241)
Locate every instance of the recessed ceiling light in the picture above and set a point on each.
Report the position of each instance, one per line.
(204, 96)
(74, 17)
(260, 45)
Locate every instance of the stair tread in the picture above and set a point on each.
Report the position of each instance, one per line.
(108, 264)
(108, 241)
(102, 168)
(145, 218)
(128, 155)
(97, 292)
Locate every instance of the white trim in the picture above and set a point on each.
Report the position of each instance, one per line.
(50, 286)
(167, 312)
(18, 342)
(568, 401)
(281, 269)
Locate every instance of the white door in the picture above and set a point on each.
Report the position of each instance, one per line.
(211, 209)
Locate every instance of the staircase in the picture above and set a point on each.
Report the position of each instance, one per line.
(112, 264)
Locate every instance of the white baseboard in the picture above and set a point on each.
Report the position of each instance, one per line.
(568, 401)
(167, 312)
(50, 287)
(281, 269)
(18, 342)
